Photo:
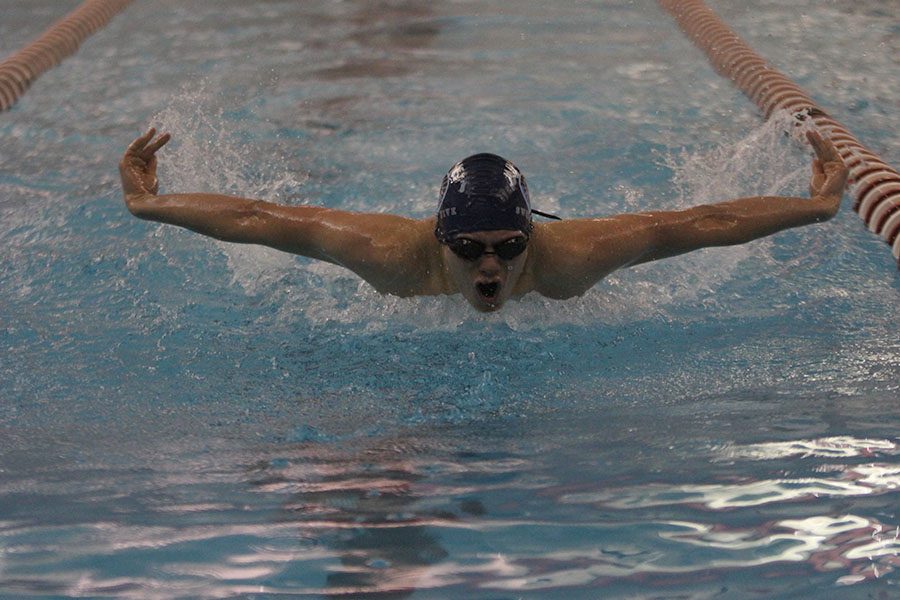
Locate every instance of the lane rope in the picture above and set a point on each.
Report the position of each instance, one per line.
(61, 40)
(874, 186)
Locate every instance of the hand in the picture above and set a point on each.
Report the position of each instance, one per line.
(138, 165)
(829, 174)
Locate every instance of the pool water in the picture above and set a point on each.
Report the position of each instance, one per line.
(183, 418)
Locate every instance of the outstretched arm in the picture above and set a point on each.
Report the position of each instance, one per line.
(744, 220)
(593, 248)
(388, 251)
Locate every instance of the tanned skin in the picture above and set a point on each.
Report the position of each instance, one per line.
(401, 256)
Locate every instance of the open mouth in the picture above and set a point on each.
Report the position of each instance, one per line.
(489, 290)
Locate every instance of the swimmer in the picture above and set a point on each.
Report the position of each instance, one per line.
(482, 243)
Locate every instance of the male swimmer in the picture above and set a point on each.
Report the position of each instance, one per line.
(482, 243)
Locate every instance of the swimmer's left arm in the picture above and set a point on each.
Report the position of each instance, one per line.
(578, 253)
(746, 219)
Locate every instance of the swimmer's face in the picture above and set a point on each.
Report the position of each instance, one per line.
(483, 268)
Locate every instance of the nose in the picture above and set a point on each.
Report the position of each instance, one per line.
(489, 265)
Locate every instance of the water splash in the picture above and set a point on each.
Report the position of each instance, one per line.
(209, 152)
(831, 447)
(760, 164)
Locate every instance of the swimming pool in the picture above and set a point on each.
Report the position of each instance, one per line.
(186, 419)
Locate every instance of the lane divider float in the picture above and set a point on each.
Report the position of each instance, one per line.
(874, 185)
(60, 40)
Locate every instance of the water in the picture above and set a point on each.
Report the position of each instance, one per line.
(183, 418)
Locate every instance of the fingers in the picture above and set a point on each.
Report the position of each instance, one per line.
(140, 142)
(836, 177)
(159, 143)
(829, 174)
(138, 166)
(817, 179)
(140, 148)
(824, 148)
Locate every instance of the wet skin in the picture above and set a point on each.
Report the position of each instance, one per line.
(401, 256)
(488, 281)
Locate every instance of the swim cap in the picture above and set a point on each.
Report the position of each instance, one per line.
(483, 192)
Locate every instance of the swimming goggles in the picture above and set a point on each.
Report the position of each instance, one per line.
(472, 250)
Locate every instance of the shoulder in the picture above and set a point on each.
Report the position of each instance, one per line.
(402, 235)
(404, 257)
(376, 236)
(555, 258)
(395, 254)
(571, 256)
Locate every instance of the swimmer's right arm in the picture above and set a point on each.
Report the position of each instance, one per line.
(388, 251)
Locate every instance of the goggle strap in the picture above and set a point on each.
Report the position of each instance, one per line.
(547, 215)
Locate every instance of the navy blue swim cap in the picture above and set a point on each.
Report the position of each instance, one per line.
(483, 192)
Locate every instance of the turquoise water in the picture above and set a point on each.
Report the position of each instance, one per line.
(182, 418)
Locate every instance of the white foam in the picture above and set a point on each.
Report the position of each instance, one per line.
(206, 155)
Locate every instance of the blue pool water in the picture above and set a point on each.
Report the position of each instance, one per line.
(182, 418)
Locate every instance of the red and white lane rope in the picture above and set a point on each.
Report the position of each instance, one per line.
(875, 186)
(61, 40)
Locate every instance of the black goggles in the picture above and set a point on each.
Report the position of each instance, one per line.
(472, 250)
